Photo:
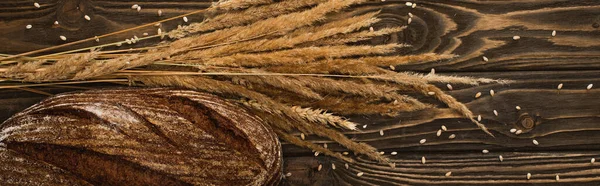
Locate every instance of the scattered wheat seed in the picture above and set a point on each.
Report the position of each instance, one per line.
(557, 178)
(593, 160)
(324, 145)
(518, 107)
(364, 126)
(316, 154)
(449, 86)
(332, 166)
(87, 17)
(439, 133)
(452, 136)
(359, 174)
(382, 153)
(145, 34)
(478, 117)
(553, 33)
(518, 132)
(302, 136)
(28, 27)
(288, 174)
(381, 132)
(535, 142)
(185, 19)
(97, 39)
(528, 176)
(345, 153)
(409, 20)
(37, 5)
(478, 95)
(516, 37)
(394, 153)
(139, 8)
(513, 130)
(135, 6)
(559, 86)
(501, 158)
(495, 113)
(414, 5)
(431, 93)
(410, 14)
(492, 92)
(346, 165)
(590, 86)
(159, 13)
(63, 38)
(132, 40)
(320, 167)
(444, 128)
(485, 59)
(448, 174)
(371, 29)
(423, 160)
(409, 4)
(392, 67)
(423, 141)
(432, 71)
(485, 151)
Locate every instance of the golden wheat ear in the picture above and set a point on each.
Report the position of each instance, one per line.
(294, 63)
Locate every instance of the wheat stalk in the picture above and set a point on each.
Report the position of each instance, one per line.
(270, 57)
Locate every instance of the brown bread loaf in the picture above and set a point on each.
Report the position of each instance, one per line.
(138, 137)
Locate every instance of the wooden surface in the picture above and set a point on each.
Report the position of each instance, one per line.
(566, 123)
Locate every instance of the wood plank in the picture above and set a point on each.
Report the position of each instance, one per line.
(565, 124)
(470, 29)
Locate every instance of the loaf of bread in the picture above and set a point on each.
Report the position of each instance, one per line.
(138, 136)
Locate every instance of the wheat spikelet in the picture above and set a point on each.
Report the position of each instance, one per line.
(300, 55)
(22, 70)
(280, 82)
(339, 27)
(321, 116)
(238, 4)
(354, 37)
(334, 66)
(64, 68)
(386, 61)
(275, 26)
(252, 14)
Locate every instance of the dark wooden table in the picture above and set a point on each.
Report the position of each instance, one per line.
(565, 123)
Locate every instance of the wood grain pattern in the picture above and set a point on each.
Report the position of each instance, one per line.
(471, 29)
(565, 123)
(143, 137)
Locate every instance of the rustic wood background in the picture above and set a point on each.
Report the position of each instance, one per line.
(566, 123)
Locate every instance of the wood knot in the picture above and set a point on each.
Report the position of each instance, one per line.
(70, 13)
(527, 122)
